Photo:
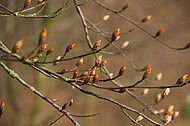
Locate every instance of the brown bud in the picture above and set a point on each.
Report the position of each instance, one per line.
(71, 102)
(17, 46)
(122, 71)
(97, 62)
(34, 60)
(92, 73)
(80, 62)
(2, 108)
(165, 93)
(65, 105)
(159, 32)
(144, 92)
(139, 118)
(56, 62)
(49, 51)
(70, 47)
(103, 63)
(27, 3)
(84, 73)
(126, 6)
(96, 45)
(170, 108)
(158, 97)
(168, 120)
(39, 55)
(146, 74)
(95, 78)
(175, 115)
(42, 48)
(155, 112)
(158, 77)
(125, 44)
(161, 111)
(75, 74)
(64, 70)
(115, 35)
(88, 79)
(146, 18)
(146, 67)
(43, 36)
(105, 18)
(181, 79)
(40, 1)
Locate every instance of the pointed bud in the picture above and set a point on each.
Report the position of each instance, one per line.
(70, 47)
(103, 63)
(158, 77)
(98, 60)
(80, 62)
(27, 3)
(181, 79)
(168, 120)
(122, 71)
(17, 46)
(64, 70)
(170, 108)
(105, 18)
(96, 45)
(144, 92)
(115, 35)
(34, 60)
(175, 115)
(95, 78)
(158, 97)
(55, 63)
(43, 36)
(147, 73)
(165, 93)
(75, 74)
(159, 32)
(146, 18)
(2, 108)
(42, 48)
(49, 51)
(155, 112)
(125, 44)
(161, 111)
(88, 79)
(125, 7)
(146, 67)
(40, 1)
(71, 102)
(65, 106)
(92, 73)
(39, 55)
(84, 73)
(140, 118)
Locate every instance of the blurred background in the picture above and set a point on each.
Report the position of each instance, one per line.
(23, 108)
